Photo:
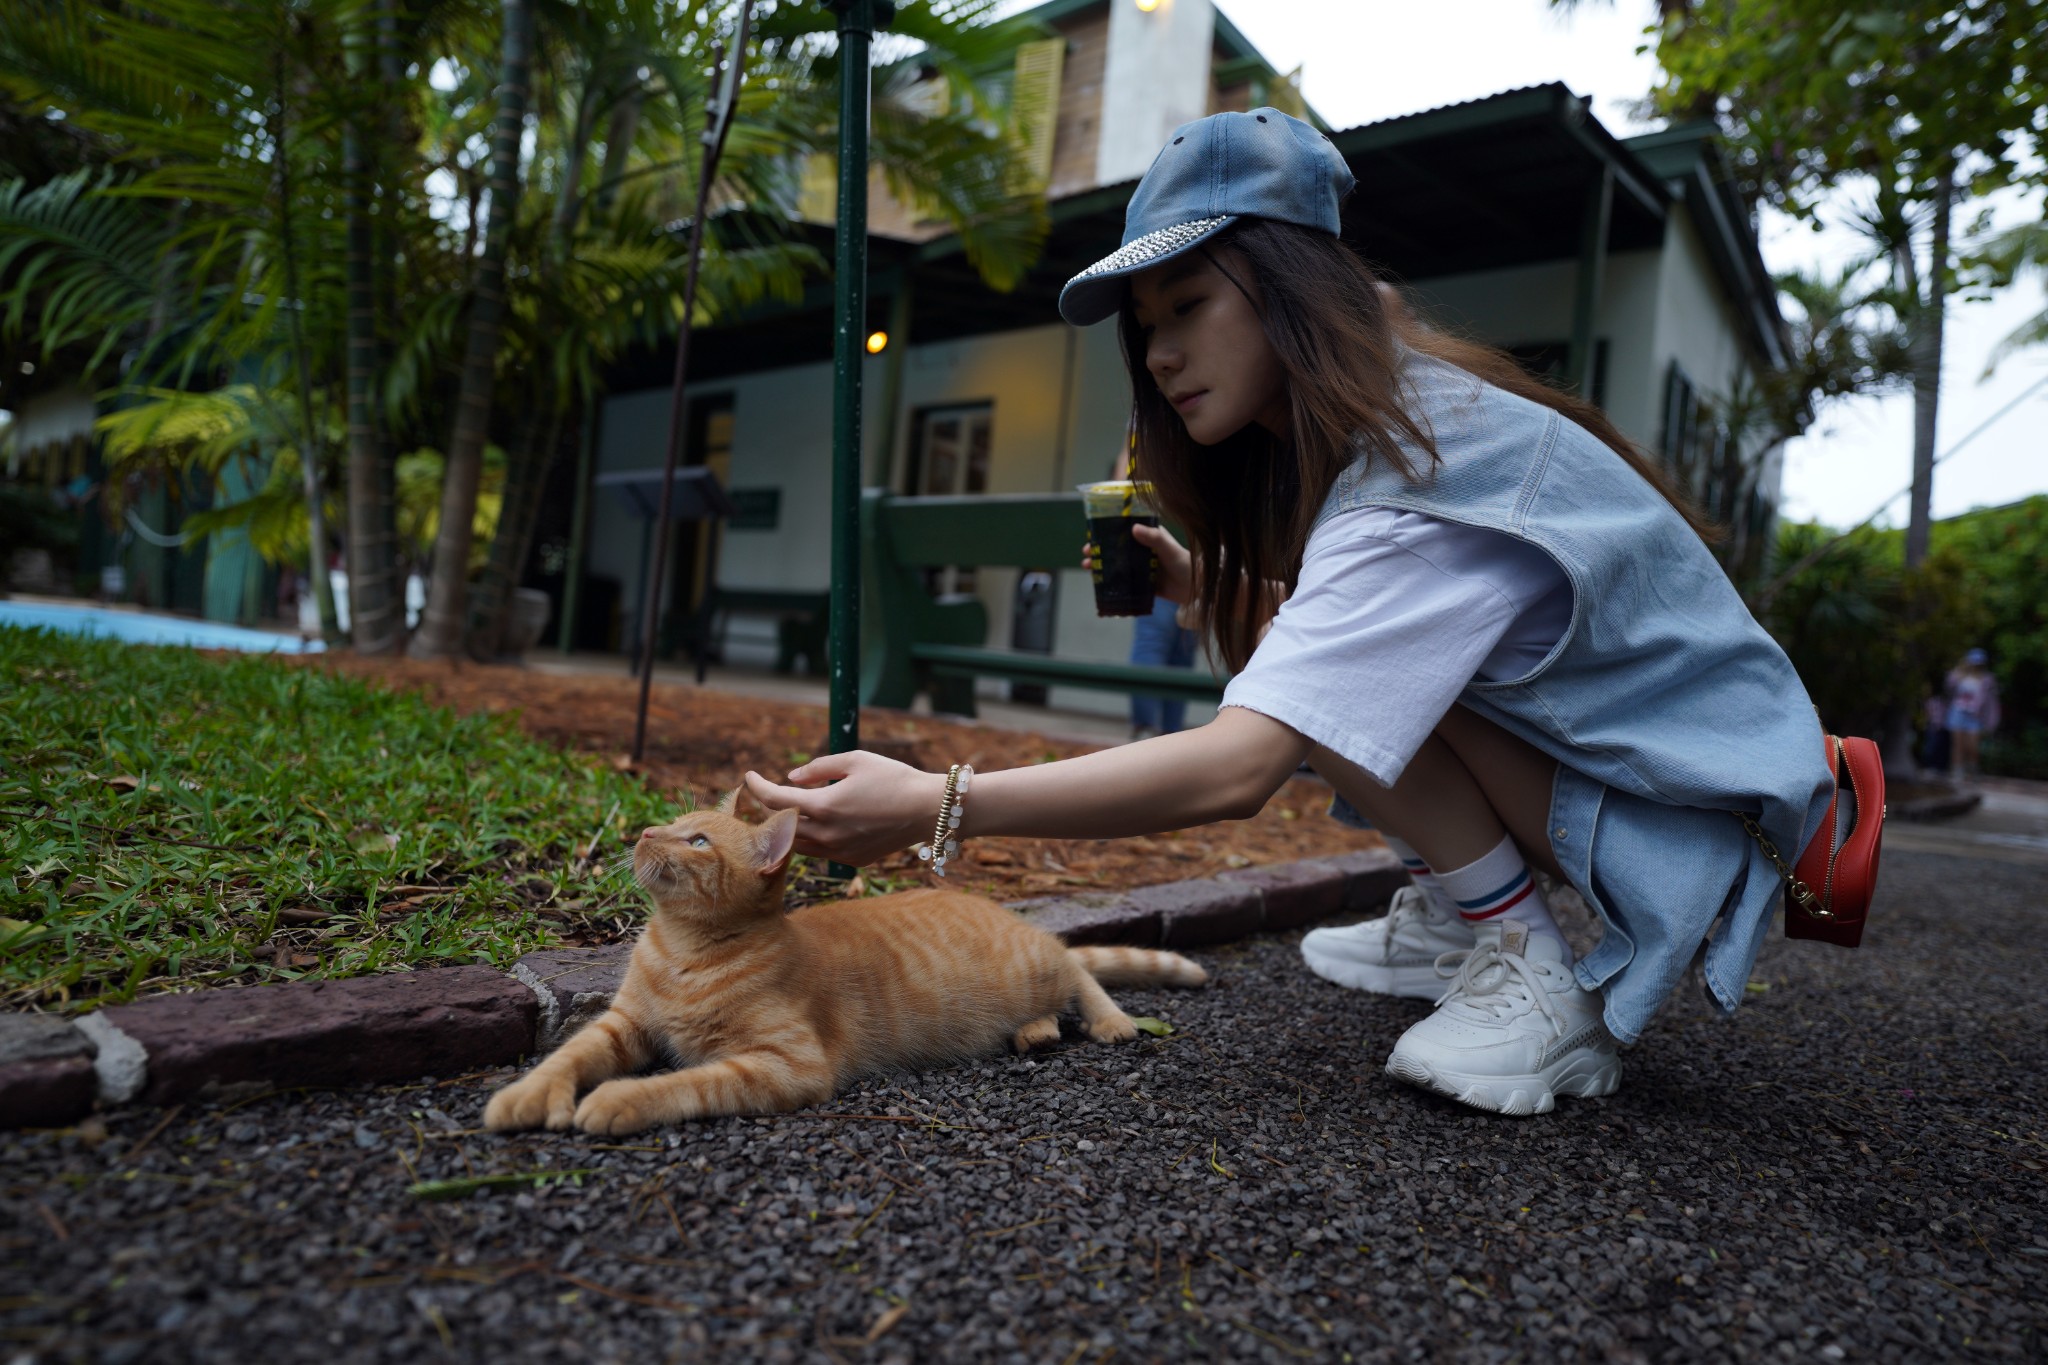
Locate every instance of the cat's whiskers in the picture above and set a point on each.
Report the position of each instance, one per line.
(651, 865)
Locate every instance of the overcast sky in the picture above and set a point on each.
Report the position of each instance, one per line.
(1365, 60)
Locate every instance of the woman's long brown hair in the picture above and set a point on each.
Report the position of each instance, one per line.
(1249, 501)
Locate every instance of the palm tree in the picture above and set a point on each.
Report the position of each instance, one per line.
(220, 121)
(956, 161)
(270, 224)
(441, 626)
(376, 593)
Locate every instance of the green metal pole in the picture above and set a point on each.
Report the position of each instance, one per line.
(858, 20)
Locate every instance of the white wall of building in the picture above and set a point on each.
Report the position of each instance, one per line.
(1655, 306)
(1533, 303)
(51, 419)
(1696, 321)
(782, 438)
(1155, 78)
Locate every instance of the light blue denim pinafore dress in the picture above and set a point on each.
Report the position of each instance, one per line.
(1665, 704)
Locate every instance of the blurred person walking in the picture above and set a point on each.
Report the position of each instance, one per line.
(1972, 711)
(1934, 738)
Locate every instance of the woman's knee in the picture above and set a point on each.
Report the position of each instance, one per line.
(1517, 778)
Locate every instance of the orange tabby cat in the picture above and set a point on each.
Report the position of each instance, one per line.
(769, 1011)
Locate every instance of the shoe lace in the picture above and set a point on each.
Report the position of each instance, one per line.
(1495, 982)
(1409, 903)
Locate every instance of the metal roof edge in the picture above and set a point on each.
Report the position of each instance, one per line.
(1553, 100)
(1691, 158)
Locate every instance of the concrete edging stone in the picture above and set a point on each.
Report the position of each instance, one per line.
(442, 1021)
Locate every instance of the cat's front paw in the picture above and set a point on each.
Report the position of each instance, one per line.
(532, 1101)
(1117, 1028)
(615, 1109)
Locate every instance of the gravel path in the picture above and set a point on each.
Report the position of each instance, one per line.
(1852, 1170)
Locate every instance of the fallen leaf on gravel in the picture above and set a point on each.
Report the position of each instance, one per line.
(994, 857)
(462, 1187)
(1158, 1028)
(886, 1321)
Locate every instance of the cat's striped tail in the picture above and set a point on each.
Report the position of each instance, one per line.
(1138, 967)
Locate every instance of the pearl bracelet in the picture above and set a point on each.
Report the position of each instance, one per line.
(944, 845)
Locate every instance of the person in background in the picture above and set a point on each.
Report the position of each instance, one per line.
(1934, 743)
(1157, 640)
(1972, 711)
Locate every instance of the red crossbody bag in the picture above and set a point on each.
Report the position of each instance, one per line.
(1827, 893)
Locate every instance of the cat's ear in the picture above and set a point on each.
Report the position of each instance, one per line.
(775, 840)
(727, 802)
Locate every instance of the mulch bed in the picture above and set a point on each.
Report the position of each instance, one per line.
(701, 741)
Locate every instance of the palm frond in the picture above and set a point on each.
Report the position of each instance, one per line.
(2016, 251)
(174, 428)
(83, 260)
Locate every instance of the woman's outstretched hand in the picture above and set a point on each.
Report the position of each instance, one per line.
(874, 807)
(1176, 566)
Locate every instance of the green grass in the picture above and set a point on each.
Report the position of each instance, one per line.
(170, 819)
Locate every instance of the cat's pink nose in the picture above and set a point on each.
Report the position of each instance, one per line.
(647, 833)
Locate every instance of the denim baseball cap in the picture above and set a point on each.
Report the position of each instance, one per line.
(1263, 164)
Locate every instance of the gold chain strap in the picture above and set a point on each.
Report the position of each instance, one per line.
(1794, 887)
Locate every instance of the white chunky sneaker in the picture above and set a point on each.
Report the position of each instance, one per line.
(1514, 1031)
(1395, 955)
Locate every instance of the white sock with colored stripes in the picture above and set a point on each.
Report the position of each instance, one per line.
(1419, 872)
(1499, 886)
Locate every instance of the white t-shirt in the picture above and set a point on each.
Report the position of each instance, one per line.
(1394, 614)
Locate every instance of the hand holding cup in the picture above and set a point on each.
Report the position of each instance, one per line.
(1175, 580)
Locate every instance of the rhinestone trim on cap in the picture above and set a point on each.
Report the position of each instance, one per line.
(1152, 246)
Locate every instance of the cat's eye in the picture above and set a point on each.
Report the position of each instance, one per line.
(699, 841)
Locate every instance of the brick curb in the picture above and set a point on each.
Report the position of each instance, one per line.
(1930, 808)
(170, 1049)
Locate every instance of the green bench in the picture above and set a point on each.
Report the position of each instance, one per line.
(913, 642)
(801, 625)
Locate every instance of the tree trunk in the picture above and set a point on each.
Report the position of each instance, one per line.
(618, 142)
(527, 469)
(309, 432)
(569, 196)
(401, 129)
(1927, 343)
(376, 612)
(440, 634)
(526, 481)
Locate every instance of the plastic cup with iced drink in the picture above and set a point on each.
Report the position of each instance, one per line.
(1126, 571)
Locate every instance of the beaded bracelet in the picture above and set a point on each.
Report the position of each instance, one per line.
(944, 845)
